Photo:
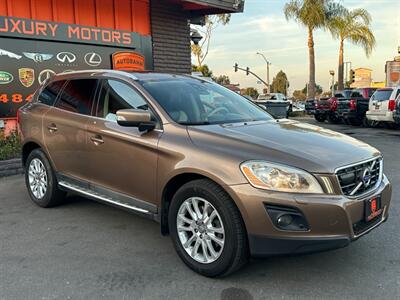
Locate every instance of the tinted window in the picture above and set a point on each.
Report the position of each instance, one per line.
(77, 96)
(190, 101)
(370, 92)
(382, 95)
(116, 95)
(49, 94)
(356, 93)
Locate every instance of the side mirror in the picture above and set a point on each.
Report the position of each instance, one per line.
(135, 118)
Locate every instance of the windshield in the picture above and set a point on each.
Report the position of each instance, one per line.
(194, 102)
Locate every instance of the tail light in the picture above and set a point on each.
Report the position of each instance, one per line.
(334, 104)
(353, 104)
(392, 105)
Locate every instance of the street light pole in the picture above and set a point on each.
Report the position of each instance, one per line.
(268, 64)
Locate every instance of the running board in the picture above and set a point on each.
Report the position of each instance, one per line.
(98, 196)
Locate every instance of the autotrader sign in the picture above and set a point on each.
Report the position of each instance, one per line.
(27, 28)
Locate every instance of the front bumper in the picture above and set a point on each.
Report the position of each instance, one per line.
(334, 220)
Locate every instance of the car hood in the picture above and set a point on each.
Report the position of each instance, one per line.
(288, 142)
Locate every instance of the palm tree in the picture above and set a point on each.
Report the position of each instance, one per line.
(354, 26)
(312, 14)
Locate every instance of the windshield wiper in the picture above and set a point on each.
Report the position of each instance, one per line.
(194, 123)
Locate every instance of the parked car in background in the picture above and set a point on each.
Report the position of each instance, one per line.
(396, 113)
(382, 105)
(222, 178)
(298, 106)
(276, 104)
(310, 106)
(353, 110)
(326, 108)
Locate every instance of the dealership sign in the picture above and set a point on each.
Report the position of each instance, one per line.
(128, 61)
(27, 28)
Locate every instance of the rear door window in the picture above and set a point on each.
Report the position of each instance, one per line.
(77, 96)
(49, 94)
(382, 95)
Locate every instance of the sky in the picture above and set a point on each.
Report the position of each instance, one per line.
(262, 27)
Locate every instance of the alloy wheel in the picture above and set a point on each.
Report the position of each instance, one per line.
(200, 230)
(37, 176)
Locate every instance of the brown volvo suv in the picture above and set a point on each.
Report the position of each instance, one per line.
(218, 173)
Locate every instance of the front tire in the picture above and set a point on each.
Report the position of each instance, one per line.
(207, 229)
(41, 181)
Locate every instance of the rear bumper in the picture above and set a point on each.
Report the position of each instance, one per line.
(348, 114)
(383, 117)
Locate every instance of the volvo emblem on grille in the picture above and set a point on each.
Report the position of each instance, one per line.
(366, 176)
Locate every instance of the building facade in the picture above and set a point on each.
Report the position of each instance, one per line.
(39, 38)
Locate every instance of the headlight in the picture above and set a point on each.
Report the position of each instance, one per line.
(275, 177)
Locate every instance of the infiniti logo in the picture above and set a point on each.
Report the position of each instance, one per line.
(66, 57)
(366, 176)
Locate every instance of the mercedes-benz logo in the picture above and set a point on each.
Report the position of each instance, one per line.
(66, 57)
(366, 176)
(93, 59)
(45, 74)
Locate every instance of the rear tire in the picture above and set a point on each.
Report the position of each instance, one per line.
(320, 118)
(199, 200)
(334, 119)
(41, 181)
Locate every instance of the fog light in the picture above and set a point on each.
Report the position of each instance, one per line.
(284, 220)
(287, 218)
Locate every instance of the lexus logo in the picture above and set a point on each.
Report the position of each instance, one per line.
(45, 74)
(93, 59)
(66, 57)
(366, 176)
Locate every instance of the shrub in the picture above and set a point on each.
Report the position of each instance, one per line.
(10, 146)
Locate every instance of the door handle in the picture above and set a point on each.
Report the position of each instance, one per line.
(52, 127)
(97, 140)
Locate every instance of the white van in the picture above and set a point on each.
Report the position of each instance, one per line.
(382, 104)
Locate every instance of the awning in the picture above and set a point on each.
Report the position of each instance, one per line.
(204, 7)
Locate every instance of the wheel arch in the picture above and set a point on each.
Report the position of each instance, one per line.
(27, 148)
(172, 186)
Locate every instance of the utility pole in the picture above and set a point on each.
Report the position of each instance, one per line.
(332, 73)
(268, 64)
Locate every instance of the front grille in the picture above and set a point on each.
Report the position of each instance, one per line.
(360, 178)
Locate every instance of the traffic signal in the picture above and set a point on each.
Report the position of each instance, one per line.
(236, 67)
(352, 76)
(247, 71)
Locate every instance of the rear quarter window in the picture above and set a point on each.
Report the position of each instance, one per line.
(49, 94)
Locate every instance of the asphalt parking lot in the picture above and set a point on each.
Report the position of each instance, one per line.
(86, 250)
